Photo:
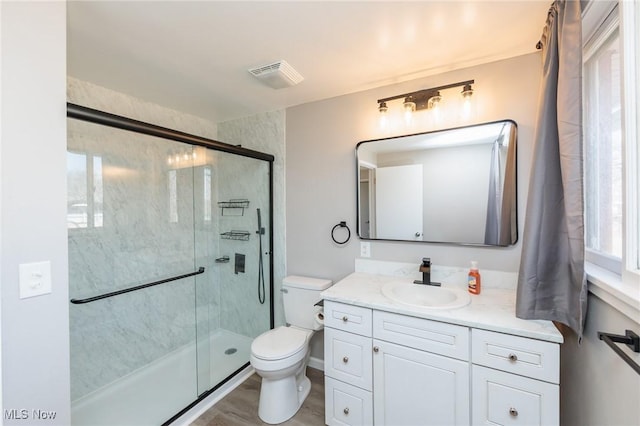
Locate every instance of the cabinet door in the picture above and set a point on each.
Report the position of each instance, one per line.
(413, 387)
(501, 398)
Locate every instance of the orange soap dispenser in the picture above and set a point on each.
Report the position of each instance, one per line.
(473, 280)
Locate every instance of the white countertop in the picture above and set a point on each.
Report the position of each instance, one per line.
(493, 309)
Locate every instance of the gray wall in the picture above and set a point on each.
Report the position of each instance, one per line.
(596, 386)
(35, 331)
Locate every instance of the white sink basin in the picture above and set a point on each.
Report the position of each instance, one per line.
(426, 296)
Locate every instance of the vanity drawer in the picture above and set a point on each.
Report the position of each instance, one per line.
(348, 357)
(431, 336)
(514, 354)
(501, 398)
(346, 404)
(353, 319)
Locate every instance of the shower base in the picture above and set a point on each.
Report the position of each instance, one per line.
(154, 393)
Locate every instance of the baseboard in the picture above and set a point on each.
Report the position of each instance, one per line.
(316, 363)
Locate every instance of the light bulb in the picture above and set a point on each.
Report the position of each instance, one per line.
(466, 108)
(383, 115)
(467, 98)
(434, 101)
(409, 107)
(434, 105)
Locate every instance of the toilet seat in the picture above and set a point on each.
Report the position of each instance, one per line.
(280, 343)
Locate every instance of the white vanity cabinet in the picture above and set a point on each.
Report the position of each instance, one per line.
(514, 380)
(389, 369)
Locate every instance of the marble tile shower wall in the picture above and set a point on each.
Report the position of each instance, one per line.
(240, 310)
(139, 240)
(266, 133)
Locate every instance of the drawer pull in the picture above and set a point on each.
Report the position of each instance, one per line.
(345, 318)
(346, 411)
(345, 359)
(513, 412)
(376, 349)
(514, 358)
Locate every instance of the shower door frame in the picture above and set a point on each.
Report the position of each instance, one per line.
(91, 115)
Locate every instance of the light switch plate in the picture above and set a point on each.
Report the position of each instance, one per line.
(365, 249)
(35, 279)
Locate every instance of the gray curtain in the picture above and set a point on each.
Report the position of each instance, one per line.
(508, 212)
(494, 203)
(501, 226)
(551, 280)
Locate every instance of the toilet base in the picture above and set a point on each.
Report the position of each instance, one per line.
(281, 399)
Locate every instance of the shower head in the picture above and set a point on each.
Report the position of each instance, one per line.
(260, 228)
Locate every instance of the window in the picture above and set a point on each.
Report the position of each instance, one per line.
(84, 191)
(173, 196)
(611, 127)
(207, 194)
(603, 146)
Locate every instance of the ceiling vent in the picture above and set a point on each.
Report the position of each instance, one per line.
(277, 75)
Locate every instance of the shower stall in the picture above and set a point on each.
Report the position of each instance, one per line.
(170, 266)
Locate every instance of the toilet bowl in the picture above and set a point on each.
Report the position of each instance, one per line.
(280, 356)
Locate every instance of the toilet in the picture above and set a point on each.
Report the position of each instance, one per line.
(280, 356)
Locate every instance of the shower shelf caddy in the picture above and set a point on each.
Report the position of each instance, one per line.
(235, 235)
(235, 204)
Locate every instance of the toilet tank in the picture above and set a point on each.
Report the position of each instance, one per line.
(299, 295)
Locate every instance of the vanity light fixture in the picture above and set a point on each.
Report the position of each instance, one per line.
(427, 98)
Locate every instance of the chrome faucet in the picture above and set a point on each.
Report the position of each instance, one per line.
(425, 268)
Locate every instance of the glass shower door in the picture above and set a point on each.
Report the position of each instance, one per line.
(169, 268)
(233, 297)
(130, 223)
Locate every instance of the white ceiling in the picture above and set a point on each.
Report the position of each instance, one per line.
(193, 56)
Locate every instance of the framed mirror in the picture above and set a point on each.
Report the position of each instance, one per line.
(455, 186)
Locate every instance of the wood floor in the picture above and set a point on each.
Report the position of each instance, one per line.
(240, 407)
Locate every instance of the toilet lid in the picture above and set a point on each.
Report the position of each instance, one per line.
(279, 343)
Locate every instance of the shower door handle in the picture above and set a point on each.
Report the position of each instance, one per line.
(137, 287)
